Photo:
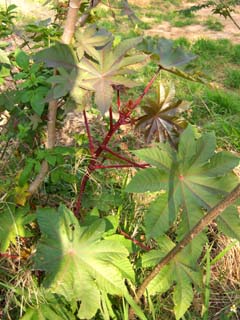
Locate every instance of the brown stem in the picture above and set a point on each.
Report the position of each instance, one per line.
(67, 36)
(199, 227)
(233, 20)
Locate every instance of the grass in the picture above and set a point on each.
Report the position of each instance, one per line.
(214, 24)
(232, 78)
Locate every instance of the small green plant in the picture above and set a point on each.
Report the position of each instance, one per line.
(213, 24)
(232, 79)
(7, 17)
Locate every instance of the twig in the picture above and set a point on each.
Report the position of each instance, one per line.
(138, 243)
(133, 163)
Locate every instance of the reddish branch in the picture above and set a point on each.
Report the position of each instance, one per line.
(124, 118)
(135, 241)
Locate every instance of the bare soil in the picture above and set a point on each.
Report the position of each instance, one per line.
(196, 31)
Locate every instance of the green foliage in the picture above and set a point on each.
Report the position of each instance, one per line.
(232, 78)
(7, 17)
(85, 269)
(213, 24)
(79, 262)
(13, 225)
(198, 178)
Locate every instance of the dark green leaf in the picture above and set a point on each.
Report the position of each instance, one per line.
(59, 55)
(79, 263)
(22, 59)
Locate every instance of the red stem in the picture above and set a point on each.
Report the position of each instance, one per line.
(122, 166)
(91, 145)
(146, 89)
(118, 100)
(6, 255)
(110, 118)
(138, 243)
(134, 164)
(124, 117)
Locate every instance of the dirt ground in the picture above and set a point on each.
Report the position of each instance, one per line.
(196, 31)
(163, 29)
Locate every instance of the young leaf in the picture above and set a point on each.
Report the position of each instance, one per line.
(79, 263)
(161, 120)
(108, 70)
(90, 38)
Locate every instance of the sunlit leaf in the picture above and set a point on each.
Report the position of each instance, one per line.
(90, 38)
(78, 261)
(108, 70)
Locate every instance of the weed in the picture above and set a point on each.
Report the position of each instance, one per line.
(213, 24)
(232, 79)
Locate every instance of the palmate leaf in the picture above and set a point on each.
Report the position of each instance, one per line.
(53, 307)
(90, 38)
(198, 179)
(161, 120)
(13, 225)
(180, 272)
(79, 263)
(109, 69)
(59, 55)
(165, 52)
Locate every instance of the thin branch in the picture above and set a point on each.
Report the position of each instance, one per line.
(121, 166)
(90, 139)
(84, 17)
(146, 89)
(136, 242)
(118, 100)
(198, 228)
(110, 118)
(133, 163)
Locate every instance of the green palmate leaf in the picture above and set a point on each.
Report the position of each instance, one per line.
(13, 225)
(180, 271)
(166, 52)
(182, 294)
(198, 179)
(161, 120)
(229, 222)
(108, 70)
(90, 38)
(149, 179)
(57, 56)
(63, 83)
(157, 217)
(53, 307)
(79, 263)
